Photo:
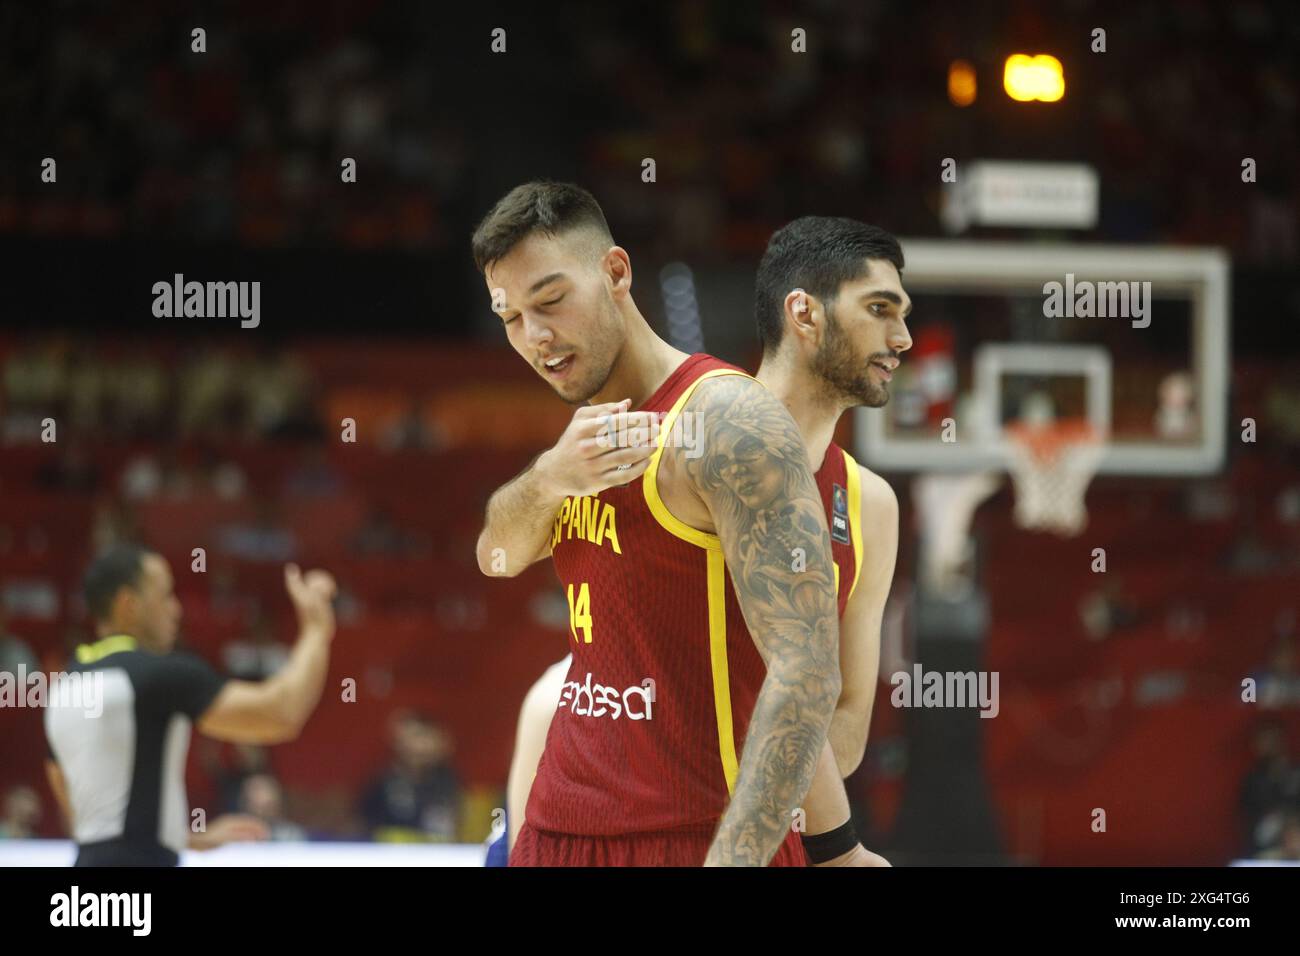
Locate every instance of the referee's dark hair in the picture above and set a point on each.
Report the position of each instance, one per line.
(119, 567)
(817, 254)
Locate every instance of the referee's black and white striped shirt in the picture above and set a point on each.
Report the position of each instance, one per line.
(124, 769)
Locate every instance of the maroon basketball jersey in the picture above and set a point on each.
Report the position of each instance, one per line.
(665, 674)
(840, 484)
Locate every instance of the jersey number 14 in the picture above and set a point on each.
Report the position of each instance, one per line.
(580, 613)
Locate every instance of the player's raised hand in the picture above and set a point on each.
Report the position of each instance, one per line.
(312, 595)
(603, 446)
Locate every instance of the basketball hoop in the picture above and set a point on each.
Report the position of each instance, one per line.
(1052, 464)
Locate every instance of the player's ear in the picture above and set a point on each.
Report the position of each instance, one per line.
(123, 603)
(617, 267)
(799, 311)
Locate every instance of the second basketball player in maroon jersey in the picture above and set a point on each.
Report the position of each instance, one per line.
(693, 717)
(832, 318)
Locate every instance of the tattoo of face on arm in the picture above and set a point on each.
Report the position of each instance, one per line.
(754, 476)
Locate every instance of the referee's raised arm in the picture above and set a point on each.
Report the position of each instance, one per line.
(275, 710)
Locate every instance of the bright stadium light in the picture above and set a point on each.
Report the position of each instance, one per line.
(1037, 77)
(961, 83)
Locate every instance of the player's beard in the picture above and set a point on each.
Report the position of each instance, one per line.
(845, 377)
(600, 350)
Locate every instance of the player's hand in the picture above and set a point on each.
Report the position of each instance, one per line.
(230, 828)
(858, 856)
(312, 595)
(597, 449)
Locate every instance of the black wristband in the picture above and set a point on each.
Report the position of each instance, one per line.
(822, 847)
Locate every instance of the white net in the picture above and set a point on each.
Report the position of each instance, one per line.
(1052, 465)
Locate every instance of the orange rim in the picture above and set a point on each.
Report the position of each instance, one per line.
(1046, 442)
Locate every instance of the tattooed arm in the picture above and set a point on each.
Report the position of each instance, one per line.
(754, 478)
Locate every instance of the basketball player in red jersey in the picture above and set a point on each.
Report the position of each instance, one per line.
(831, 313)
(695, 713)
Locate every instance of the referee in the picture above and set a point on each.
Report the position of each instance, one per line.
(118, 771)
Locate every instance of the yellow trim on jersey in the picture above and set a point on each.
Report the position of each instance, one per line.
(717, 582)
(650, 481)
(89, 653)
(853, 483)
(718, 661)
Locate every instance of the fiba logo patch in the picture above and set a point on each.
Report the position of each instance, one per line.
(839, 514)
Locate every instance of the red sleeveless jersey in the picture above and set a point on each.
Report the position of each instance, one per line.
(652, 719)
(840, 484)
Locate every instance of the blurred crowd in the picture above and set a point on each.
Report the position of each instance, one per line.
(1270, 792)
(416, 797)
(1270, 798)
(243, 143)
(110, 390)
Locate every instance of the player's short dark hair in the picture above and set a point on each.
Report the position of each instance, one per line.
(121, 566)
(817, 254)
(541, 206)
